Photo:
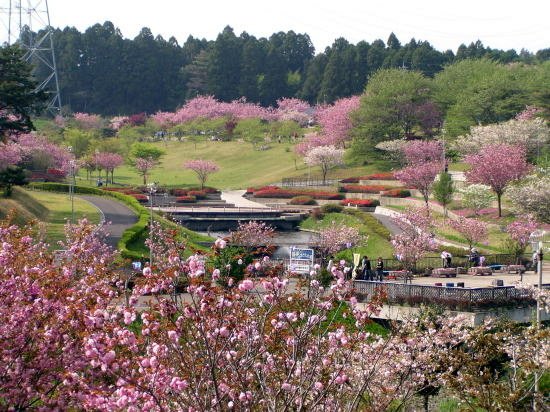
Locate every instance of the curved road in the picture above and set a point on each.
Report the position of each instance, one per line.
(118, 215)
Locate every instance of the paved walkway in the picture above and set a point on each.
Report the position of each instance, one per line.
(236, 198)
(119, 217)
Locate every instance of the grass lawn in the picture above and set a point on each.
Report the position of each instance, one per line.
(59, 211)
(241, 166)
(376, 244)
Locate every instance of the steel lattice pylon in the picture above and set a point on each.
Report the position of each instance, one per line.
(27, 23)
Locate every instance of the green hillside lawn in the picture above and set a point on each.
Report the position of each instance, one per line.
(240, 165)
(376, 244)
(59, 211)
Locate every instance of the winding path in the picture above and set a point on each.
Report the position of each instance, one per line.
(118, 215)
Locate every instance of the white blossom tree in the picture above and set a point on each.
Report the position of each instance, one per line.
(326, 157)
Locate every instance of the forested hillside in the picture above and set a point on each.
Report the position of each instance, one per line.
(102, 72)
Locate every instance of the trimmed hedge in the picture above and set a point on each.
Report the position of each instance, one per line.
(396, 193)
(186, 199)
(302, 200)
(380, 176)
(360, 202)
(371, 222)
(135, 232)
(363, 188)
(276, 192)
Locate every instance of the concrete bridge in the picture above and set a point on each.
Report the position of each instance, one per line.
(224, 219)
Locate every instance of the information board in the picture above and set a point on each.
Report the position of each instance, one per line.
(301, 260)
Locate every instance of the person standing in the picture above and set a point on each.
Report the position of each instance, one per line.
(449, 259)
(367, 269)
(380, 269)
(444, 259)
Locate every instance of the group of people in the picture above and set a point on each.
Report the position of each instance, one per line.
(364, 270)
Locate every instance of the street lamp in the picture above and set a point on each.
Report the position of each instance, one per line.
(72, 171)
(151, 188)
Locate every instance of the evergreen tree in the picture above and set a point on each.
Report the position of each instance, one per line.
(443, 190)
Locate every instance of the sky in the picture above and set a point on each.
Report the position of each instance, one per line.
(445, 24)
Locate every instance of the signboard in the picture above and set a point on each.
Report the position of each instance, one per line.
(136, 265)
(301, 260)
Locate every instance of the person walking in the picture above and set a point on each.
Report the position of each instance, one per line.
(449, 259)
(444, 258)
(380, 269)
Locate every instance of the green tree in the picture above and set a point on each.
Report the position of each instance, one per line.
(443, 190)
(18, 98)
(396, 104)
(12, 176)
(224, 66)
(146, 151)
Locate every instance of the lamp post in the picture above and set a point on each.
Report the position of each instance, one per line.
(151, 188)
(72, 167)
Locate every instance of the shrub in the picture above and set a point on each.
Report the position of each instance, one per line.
(350, 180)
(302, 200)
(316, 213)
(331, 208)
(186, 199)
(141, 198)
(363, 188)
(179, 192)
(396, 193)
(276, 192)
(379, 176)
(198, 194)
(360, 202)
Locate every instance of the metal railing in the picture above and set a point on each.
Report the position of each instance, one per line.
(463, 298)
(307, 181)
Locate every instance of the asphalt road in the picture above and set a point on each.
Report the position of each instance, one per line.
(118, 217)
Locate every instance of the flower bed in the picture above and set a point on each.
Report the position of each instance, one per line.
(360, 202)
(302, 200)
(396, 193)
(379, 176)
(276, 192)
(363, 188)
(198, 194)
(375, 176)
(141, 198)
(186, 199)
(179, 192)
(252, 190)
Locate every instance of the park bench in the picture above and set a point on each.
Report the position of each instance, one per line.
(400, 274)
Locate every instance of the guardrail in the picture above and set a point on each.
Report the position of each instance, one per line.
(451, 297)
(307, 181)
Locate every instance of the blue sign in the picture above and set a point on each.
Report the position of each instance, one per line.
(136, 265)
(301, 254)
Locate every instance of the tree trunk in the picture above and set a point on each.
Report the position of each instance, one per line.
(499, 206)
(144, 179)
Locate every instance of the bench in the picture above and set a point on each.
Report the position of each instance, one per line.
(444, 273)
(480, 271)
(400, 274)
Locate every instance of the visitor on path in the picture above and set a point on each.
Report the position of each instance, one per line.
(449, 259)
(330, 264)
(535, 261)
(482, 261)
(474, 257)
(380, 269)
(444, 259)
(366, 269)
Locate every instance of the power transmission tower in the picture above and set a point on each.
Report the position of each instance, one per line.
(27, 23)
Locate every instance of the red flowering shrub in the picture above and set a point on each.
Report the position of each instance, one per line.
(363, 188)
(56, 172)
(351, 180)
(275, 192)
(302, 200)
(360, 202)
(141, 198)
(197, 194)
(396, 193)
(179, 192)
(252, 190)
(379, 176)
(186, 199)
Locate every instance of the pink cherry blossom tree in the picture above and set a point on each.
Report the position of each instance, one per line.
(326, 157)
(496, 166)
(423, 151)
(252, 234)
(202, 168)
(472, 230)
(420, 176)
(520, 231)
(415, 239)
(10, 154)
(336, 237)
(88, 121)
(108, 162)
(144, 166)
(335, 120)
